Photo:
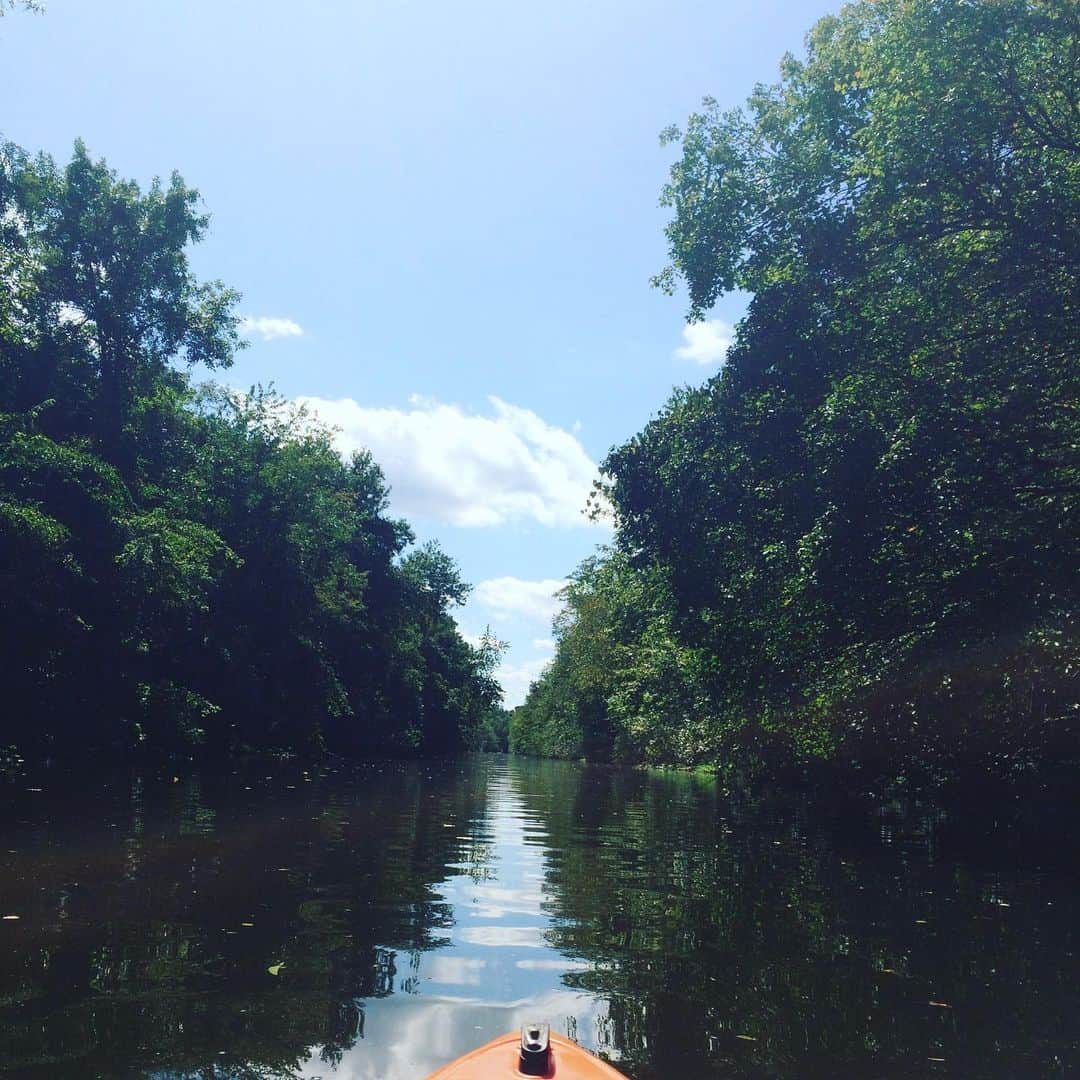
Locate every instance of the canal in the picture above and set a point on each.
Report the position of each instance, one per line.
(374, 921)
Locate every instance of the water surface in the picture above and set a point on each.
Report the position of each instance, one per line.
(376, 921)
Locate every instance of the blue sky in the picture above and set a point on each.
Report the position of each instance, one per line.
(443, 219)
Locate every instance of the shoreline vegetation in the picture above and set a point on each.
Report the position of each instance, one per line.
(188, 569)
(850, 556)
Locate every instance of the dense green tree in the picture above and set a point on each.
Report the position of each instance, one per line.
(622, 682)
(868, 519)
(185, 566)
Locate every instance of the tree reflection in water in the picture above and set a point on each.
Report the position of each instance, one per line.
(745, 939)
(418, 909)
(151, 911)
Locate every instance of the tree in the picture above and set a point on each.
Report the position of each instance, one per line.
(622, 684)
(190, 568)
(866, 520)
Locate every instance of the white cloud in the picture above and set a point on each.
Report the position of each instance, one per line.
(511, 597)
(706, 342)
(466, 469)
(502, 599)
(269, 327)
(515, 679)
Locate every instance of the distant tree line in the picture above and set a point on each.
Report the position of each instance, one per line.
(187, 567)
(857, 543)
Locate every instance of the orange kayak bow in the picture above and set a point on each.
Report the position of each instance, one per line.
(535, 1052)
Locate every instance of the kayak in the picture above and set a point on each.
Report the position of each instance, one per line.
(533, 1052)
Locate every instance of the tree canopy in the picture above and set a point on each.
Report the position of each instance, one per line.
(866, 523)
(187, 566)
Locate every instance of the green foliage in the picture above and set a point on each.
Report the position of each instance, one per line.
(867, 521)
(621, 683)
(492, 734)
(189, 567)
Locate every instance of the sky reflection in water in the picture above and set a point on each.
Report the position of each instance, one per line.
(378, 921)
(489, 978)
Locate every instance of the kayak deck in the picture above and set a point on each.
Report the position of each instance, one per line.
(499, 1059)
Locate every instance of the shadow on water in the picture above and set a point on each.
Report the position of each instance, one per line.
(762, 939)
(377, 920)
(153, 913)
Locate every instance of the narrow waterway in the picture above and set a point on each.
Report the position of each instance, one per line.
(375, 921)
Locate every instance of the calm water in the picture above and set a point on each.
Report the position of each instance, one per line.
(377, 921)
